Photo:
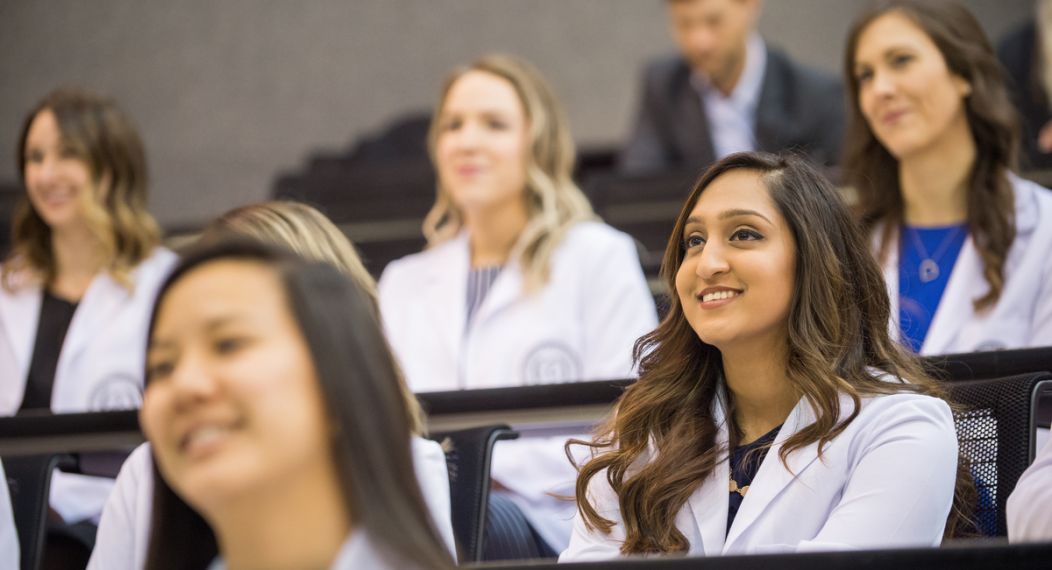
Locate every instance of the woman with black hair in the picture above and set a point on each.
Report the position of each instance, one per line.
(279, 430)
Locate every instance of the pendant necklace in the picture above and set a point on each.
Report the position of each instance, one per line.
(929, 266)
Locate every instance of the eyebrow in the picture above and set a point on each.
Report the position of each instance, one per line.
(210, 326)
(735, 213)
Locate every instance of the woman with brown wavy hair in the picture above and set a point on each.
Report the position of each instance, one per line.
(963, 242)
(773, 410)
(79, 283)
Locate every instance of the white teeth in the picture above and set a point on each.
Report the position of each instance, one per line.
(205, 435)
(719, 296)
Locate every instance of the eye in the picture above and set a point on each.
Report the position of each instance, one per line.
(450, 125)
(901, 60)
(229, 345)
(497, 124)
(863, 75)
(66, 151)
(746, 235)
(34, 156)
(159, 370)
(693, 240)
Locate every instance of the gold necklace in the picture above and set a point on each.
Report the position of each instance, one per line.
(740, 490)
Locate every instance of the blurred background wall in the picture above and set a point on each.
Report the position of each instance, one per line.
(228, 93)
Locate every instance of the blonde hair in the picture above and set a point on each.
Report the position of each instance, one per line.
(100, 135)
(554, 201)
(298, 227)
(307, 232)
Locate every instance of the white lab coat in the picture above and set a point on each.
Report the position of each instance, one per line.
(581, 325)
(1030, 504)
(358, 552)
(9, 548)
(1022, 316)
(886, 481)
(124, 530)
(99, 368)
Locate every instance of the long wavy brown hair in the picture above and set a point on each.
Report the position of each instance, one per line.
(98, 133)
(837, 334)
(873, 171)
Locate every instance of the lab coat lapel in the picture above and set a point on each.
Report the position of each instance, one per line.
(506, 290)
(955, 307)
(773, 477)
(446, 291)
(99, 306)
(19, 316)
(709, 503)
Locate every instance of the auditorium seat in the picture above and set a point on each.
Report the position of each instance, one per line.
(996, 431)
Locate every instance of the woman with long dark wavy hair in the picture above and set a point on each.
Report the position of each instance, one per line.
(279, 427)
(773, 409)
(932, 137)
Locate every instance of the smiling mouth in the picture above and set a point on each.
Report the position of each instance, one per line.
(205, 438)
(718, 296)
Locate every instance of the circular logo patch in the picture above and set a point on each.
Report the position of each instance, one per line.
(121, 392)
(551, 362)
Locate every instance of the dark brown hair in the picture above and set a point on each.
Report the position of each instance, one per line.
(838, 333)
(102, 136)
(358, 380)
(873, 171)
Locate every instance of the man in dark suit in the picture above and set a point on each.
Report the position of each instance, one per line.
(727, 91)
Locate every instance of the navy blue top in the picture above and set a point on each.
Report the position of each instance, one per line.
(744, 466)
(921, 289)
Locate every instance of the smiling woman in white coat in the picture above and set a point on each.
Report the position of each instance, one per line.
(124, 528)
(520, 283)
(85, 266)
(773, 412)
(964, 242)
(279, 427)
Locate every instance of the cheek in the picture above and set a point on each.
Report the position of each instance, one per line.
(154, 415)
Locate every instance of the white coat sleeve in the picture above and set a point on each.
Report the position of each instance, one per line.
(617, 309)
(590, 545)
(900, 487)
(1041, 329)
(429, 462)
(124, 529)
(9, 548)
(1030, 504)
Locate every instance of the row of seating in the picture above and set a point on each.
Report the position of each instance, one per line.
(1006, 396)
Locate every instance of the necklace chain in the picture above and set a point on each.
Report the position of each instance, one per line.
(929, 267)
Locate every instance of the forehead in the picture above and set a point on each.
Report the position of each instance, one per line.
(735, 190)
(481, 91)
(222, 288)
(43, 128)
(889, 31)
(691, 9)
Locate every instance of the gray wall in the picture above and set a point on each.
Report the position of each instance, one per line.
(227, 93)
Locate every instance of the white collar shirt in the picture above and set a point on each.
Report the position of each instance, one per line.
(732, 118)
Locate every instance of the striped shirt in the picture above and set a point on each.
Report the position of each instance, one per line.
(480, 280)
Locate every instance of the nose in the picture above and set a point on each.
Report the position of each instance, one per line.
(883, 85)
(712, 261)
(467, 137)
(192, 381)
(43, 171)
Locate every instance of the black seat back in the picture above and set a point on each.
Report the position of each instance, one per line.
(996, 431)
(469, 453)
(29, 480)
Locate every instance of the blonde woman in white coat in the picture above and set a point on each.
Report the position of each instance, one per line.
(1029, 509)
(964, 243)
(520, 284)
(773, 411)
(78, 286)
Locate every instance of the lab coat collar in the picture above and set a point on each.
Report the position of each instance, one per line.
(961, 290)
(709, 503)
(773, 477)
(446, 308)
(19, 313)
(103, 299)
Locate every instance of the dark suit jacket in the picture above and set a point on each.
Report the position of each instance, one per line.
(799, 108)
(1021, 59)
